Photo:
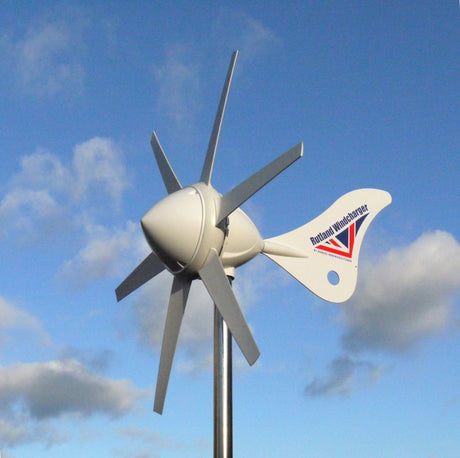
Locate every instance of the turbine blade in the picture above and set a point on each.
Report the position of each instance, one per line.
(218, 286)
(146, 270)
(167, 173)
(214, 139)
(238, 195)
(178, 299)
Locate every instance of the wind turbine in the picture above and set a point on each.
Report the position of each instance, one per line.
(198, 234)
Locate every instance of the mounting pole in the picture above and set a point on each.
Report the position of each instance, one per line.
(223, 399)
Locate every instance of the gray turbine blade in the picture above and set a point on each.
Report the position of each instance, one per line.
(146, 270)
(178, 299)
(221, 292)
(167, 173)
(214, 139)
(238, 195)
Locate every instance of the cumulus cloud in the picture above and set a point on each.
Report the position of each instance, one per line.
(33, 394)
(243, 32)
(255, 37)
(177, 85)
(41, 170)
(11, 434)
(29, 211)
(97, 361)
(51, 389)
(12, 318)
(405, 297)
(47, 193)
(107, 253)
(344, 374)
(98, 166)
(49, 196)
(408, 295)
(45, 60)
(20, 430)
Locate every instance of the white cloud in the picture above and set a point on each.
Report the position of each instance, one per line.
(243, 32)
(31, 395)
(20, 430)
(13, 318)
(255, 38)
(11, 434)
(98, 361)
(28, 211)
(344, 374)
(403, 298)
(47, 195)
(406, 296)
(32, 204)
(177, 84)
(97, 165)
(40, 170)
(45, 60)
(107, 253)
(34, 395)
(54, 388)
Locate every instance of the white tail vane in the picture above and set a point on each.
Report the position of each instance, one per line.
(198, 234)
(328, 247)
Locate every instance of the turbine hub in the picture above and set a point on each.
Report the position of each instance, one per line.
(181, 228)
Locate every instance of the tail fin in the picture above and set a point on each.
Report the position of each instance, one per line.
(323, 254)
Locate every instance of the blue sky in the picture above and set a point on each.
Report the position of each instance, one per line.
(370, 87)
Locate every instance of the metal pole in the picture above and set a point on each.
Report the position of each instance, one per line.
(223, 403)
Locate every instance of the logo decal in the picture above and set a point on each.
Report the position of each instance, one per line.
(342, 243)
(339, 238)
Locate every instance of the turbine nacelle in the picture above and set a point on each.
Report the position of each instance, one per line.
(242, 242)
(182, 229)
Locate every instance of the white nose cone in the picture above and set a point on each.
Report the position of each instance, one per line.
(173, 227)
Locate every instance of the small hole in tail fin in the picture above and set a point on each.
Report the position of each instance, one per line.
(333, 277)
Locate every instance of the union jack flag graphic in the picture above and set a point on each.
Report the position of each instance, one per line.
(342, 243)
